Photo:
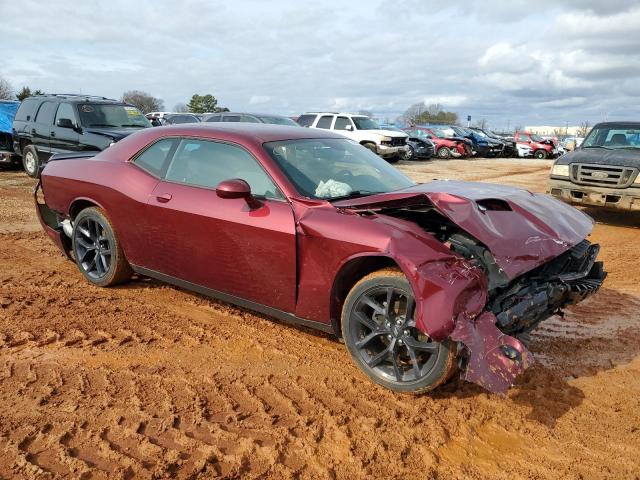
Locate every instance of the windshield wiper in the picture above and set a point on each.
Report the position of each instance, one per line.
(132, 125)
(102, 125)
(354, 194)
(598, 146)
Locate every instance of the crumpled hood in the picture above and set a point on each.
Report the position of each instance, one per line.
(522, 229)
(387, 133)
(116, 133)
(621, 157)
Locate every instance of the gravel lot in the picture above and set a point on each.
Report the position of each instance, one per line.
(149, 381)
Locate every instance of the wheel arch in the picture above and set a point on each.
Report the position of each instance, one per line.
(79, 204)
(349, 273)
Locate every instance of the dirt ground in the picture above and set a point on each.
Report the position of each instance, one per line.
(148, 381)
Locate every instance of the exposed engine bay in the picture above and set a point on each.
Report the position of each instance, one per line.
(522, 303)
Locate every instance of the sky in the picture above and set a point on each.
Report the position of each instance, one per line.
(543, 62)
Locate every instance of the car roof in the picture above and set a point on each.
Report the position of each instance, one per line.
(239, 131)
(613, 124)
(70, 97)
(248, 113)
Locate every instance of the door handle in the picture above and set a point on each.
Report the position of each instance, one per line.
(53, 134)
(164, 198)
(33, 130)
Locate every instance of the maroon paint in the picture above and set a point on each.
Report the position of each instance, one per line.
(288, 254)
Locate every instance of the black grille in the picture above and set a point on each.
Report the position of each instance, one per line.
(602, 175)
(397, 141)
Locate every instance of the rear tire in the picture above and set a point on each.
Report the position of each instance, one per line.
(31, 161)
(381, 335)
(443, 153)
(97, 250)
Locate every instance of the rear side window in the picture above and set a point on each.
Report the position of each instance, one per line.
(214, 118)
(342, 123)
(248, 119)
(231, 118)
(325, 122)
(46, 112)
(306, 120)
(155, 158)
(27, 110)
(204, 163)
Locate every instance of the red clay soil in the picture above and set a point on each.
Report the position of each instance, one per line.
(149, 381)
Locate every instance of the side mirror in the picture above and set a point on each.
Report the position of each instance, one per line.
(349, 127)
(234, 188)
(64, 123)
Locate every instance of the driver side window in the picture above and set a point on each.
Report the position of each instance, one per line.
(203, 163)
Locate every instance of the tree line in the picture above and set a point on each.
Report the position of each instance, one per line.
(144, 101)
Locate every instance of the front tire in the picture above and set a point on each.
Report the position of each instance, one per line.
(410, 153)
(97, 250)
(444, 153)
(540, 154)
(381, 335)
(31, 161)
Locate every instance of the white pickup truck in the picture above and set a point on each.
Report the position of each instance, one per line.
(389, 144)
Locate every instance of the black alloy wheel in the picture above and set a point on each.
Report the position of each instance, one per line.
(92, 248)
(380, 331)
(97, 251)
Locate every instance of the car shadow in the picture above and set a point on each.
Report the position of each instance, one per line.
(615, 218)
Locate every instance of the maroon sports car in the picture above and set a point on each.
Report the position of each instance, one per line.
(306, 226)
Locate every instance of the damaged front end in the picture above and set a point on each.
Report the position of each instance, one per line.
(520, 262)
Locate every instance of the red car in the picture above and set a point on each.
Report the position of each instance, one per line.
(447, 144)
(308, 227)
(540, 147)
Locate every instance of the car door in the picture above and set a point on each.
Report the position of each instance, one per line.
(227, 245)
(64, 139)
(42, 128)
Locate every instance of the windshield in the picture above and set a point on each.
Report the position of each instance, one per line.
(536, 138)
(444, 132)
(334, 168)
(480, 133)
(365, 123)
(613, 136)
(278, 120)
(108, 115)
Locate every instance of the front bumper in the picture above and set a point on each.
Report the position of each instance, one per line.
(8, 158)
(391, 151)
(614, 198)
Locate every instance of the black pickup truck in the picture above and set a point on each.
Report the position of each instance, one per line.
(603, 171)
(48, 124)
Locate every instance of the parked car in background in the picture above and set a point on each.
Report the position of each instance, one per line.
(508, 146)
(418, 148)
(48, 124)
(603, 171)
(389, 144)
(7, 113)
(447, 145)
(571, 143)
(309, 227)
(482, 145)
(541, 148)
(179, 118)
(250, 118)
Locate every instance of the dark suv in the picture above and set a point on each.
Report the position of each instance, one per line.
(49, 124)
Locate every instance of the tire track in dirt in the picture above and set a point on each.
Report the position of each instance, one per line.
(148, 381)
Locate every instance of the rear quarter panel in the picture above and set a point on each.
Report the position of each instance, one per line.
(121, 189)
